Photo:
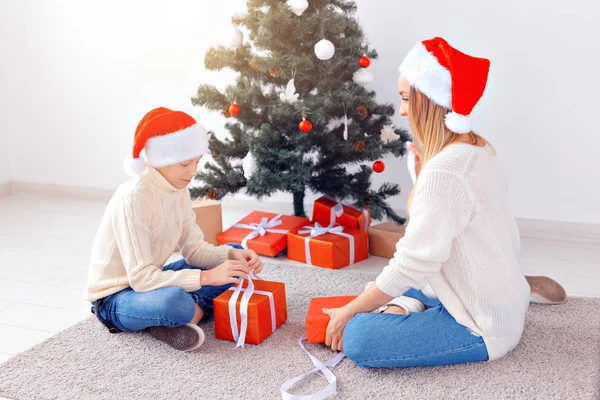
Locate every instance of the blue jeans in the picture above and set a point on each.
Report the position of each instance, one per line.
(431, 337)
(130, 311)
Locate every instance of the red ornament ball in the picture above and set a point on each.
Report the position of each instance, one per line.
(378, 166)
(234, 109)
(305, 126)
(364, 62)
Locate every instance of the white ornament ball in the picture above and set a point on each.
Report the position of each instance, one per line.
(362, 77)
(249, 165)
(324, 49)
(236, 38)
(298, 6)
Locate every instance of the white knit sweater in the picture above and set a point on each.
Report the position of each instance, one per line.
(463, 241)
(143, 223)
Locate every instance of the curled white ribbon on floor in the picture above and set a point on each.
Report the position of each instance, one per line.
(338, 210)
(240, 337)
(319, 366)
(318, 230)
(260, 229)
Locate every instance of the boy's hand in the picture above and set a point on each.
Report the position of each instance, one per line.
(228, 272)
(249, 256)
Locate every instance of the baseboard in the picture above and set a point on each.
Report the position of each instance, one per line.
(6, 188)
(559, 231)
(54, 190)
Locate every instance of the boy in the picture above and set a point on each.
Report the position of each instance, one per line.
(128, 284)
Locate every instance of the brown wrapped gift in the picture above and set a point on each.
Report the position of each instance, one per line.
(209, 217)
(383, 238)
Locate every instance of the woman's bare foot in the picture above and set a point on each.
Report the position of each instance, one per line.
(545, 290)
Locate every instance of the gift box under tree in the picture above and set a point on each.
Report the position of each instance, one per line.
(328, 247)
(384, 237)
(329, 211)
(265, 233)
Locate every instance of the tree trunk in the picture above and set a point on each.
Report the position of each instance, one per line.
(299, 204)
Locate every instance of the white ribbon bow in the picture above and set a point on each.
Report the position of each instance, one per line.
(319, 230)
(338, 210)
(240, 337)
(319, 366)
(261, 228)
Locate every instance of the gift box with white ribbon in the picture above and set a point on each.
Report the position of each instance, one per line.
(331, 247)
(250, 312)
(263, 232)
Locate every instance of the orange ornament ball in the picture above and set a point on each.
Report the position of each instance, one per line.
(305, 126)
(364, 61)
(234, 109)
(378, 166)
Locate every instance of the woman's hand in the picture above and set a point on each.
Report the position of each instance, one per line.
(249, 256)
(339, 317)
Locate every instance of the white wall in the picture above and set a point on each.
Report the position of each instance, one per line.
(540, 107)
(4, 157)
(5, 175)
(79, 76)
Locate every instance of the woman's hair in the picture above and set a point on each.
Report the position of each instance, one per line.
(429, 130)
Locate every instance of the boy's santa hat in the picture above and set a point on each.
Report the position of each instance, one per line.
(448, 77)
(166, 137)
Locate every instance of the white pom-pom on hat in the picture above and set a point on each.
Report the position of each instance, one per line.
(134, 166)
(458, 123)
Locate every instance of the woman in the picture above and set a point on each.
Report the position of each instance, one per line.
(455, 276)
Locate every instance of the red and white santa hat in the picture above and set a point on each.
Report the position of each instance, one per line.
(448, 77)
(166, 137)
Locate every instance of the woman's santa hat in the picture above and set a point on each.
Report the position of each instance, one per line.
(448, 77)
(166, 137)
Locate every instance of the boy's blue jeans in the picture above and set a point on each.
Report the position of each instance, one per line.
(130, 311)
(431, 337)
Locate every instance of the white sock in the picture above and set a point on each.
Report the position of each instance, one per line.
(409, 304)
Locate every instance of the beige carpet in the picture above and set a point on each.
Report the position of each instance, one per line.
(559, 358)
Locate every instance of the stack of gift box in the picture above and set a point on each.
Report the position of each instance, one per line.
(338, 236)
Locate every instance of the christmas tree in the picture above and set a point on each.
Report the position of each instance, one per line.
(301, 116)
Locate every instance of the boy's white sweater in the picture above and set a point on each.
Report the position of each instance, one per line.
(143, 223)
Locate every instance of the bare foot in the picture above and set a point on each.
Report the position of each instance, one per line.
(545, 290)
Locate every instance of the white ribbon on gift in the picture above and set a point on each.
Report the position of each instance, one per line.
(240, 337)
(265, 225)
(338, 210)
(319, 230)
(319, 366)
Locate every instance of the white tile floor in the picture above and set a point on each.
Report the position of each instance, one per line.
(45, 244)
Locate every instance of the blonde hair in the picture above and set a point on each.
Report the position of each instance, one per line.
(429, 130)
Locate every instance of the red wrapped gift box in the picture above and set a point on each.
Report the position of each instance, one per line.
(328, 247)
(328, 211)
(268, 296)
(316, 321)
(263, 232)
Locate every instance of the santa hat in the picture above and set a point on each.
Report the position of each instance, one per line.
(448, 77)
(166, 137)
